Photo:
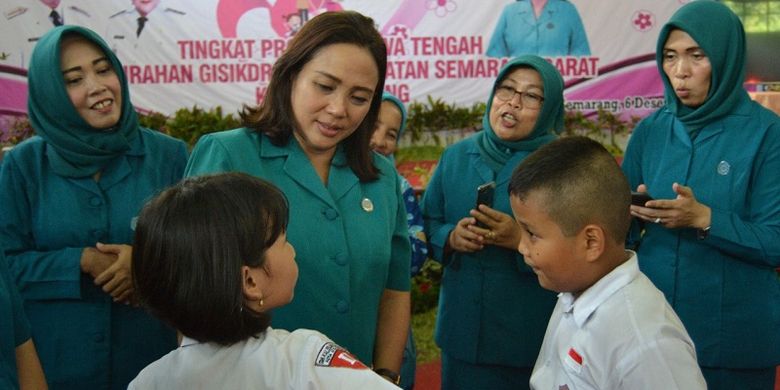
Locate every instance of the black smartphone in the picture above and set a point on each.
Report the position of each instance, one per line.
(640, 198)
(485, 196)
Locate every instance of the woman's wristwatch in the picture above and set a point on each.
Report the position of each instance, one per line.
(391, 375)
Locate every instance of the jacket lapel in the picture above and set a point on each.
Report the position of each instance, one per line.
(298, 168)
(341, 179)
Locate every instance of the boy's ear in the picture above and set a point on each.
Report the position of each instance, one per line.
(594, 243)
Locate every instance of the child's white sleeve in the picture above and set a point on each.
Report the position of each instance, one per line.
(323, 364)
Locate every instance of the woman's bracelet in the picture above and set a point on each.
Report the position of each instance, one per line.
(389, 374)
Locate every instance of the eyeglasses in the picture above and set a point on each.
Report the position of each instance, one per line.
(528, 99)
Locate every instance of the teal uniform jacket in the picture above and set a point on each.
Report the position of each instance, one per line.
(491, 307)
(350, 238)
(84, 340)
(724, 287)
(14, 328)
(557, 32)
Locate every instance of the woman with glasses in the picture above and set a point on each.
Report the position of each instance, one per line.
(492, 312)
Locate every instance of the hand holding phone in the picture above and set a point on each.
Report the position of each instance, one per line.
(485, 194)
(640, 198)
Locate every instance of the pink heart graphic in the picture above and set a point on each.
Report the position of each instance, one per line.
(408, 13)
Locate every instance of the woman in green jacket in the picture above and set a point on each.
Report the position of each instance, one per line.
(310, 137)
(711, 238)
(68, 201)
(492, 312)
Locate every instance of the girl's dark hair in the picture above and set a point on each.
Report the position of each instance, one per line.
(190, 244)
(275, 118)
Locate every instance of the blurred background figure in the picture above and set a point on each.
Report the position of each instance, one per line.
(390, 125)
(540, 27)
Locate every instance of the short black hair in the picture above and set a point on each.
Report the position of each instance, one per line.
(582, 183)
(190, 244)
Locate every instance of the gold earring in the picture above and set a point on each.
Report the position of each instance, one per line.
(261, 302)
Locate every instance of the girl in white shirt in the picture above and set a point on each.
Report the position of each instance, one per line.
(211, 258)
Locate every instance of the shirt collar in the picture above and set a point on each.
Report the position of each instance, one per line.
(186, 341)
(584, 305)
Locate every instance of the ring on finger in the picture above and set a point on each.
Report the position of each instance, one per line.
(658, 220)
(491, 235)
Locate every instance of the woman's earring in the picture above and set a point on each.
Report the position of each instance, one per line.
(261, 303)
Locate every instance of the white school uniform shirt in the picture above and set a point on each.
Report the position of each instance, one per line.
(276, 359)
(618, 334)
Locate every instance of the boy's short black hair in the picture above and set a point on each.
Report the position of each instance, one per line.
(190, 244)
(581, 182)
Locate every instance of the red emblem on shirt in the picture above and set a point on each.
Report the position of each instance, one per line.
(331, 355)
(574, 355)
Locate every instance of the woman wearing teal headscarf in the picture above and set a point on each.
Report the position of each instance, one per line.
(711, 238)
(492, 312)
(390, 126)
(68, 201)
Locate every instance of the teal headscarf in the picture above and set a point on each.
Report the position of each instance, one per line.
(75, 148)
(495, 151)
(393, 99)
(719, 32)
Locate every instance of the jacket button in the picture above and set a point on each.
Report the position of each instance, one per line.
(342, 306)
(95, 201)
(341, 259)
(331, 214)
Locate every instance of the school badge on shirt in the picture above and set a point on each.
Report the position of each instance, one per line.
(331, 355)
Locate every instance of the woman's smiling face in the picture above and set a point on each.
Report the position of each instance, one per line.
(91, 82)
(332, 95)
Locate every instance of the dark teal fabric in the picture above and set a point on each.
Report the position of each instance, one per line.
(462, 375)
(14, 328)
(492, 310)
(77, 149)
(495, 151)
(719, 32)
(83, 338)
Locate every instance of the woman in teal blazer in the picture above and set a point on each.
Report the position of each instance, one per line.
(711, 241)
(557, 31)
(492, 312)
(310, 137)
(19, 363)
(81, 181)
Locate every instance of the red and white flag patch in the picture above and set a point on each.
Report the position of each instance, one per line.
(575, 356)
(573, 360)
(332, 355)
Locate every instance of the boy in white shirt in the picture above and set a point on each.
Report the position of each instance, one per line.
(611, 328)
